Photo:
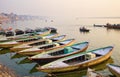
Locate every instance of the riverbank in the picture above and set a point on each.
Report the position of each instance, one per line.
(6, 72)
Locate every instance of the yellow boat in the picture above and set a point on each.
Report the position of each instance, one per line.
(46, 47)
(77, 61)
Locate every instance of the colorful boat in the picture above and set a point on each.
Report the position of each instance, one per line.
(59, 52)
(12, 43)
(77, 61)
(12, 36)
(38, 42)
(92, 73)
(47, 47)
(114, 69)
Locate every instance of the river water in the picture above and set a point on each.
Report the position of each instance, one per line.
(98, 37)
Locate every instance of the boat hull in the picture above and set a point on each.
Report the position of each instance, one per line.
(8, 45)
(77, 66)
(35, 52)
(113, 71)
(19, 49)
(46, 60)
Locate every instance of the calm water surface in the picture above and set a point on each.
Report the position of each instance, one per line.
(98, 37)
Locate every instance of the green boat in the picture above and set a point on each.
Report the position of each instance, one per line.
(59, 52)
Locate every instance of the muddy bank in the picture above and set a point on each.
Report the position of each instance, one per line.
(6, 72)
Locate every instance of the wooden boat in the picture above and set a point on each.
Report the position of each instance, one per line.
(21, 41)
(53, 30)
(113, 26)
(38, 42)
(114, 69)
(19, 32)
(46, 47)
(60, 52)
(17, 37)
(77, 61)
(92, 73)
(29, 30)
(9, 33)
(83, 29)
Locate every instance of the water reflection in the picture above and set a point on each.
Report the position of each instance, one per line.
(4, 51)
(110, 29)
(33, 70)
(25, 60)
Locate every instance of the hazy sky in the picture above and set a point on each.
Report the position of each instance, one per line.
(75, 8)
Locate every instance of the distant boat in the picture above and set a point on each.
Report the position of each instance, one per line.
(77, 61)
(2, 32)
(98, 25)
(46, 47)
(19, 32)
(53, 30)
(92, 73)
(114, 69)
(113, 26)
(28, 30)
(60, 52)
(9, 33)
(83, 29)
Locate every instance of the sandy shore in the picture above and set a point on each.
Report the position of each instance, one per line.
(6, 72)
